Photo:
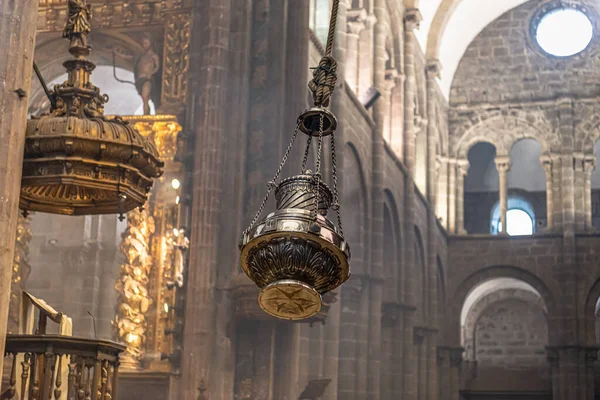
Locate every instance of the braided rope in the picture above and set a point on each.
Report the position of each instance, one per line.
(324, 78)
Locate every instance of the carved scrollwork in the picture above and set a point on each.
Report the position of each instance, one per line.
(294, 258)
(176, 60)
(133, 303)
(20, 272)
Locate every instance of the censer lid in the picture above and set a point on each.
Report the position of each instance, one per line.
(76, 160)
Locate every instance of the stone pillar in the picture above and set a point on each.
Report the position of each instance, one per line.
(579, 191)
(557, 201)
(589, 164)
(352, 291)
(449, 361)
(442, 191)
(17, 39)
(451, 167)
(503, 165)
(356, 24)
(365, 55)
(386, 98)
(547, 164)
(376, 282)
(462, 167)
(397, 117)
(412, 17)
(572, 371)
(210, 57)
(433, 72)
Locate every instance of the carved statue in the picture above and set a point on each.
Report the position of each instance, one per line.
(78, 22)
(146, 65)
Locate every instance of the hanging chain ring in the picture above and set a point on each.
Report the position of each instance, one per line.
(310, 122)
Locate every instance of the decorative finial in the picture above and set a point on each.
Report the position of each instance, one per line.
(79, 25)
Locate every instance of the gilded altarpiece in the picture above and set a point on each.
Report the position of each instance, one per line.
(151, 332)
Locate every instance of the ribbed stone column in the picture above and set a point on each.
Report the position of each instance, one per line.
(503, 165)
(376, 282)
(432, 71)
(412, 17)
(579, 191)
(547, 164)
(356, 24)
(17, 41)
(589, 164)
(210, 56)
(333, 328)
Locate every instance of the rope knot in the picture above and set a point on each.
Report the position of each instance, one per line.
(323, 81)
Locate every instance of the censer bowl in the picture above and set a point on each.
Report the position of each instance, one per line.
(291, 255)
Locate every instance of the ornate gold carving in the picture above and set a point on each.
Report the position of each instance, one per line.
(77, 161)
(176, 61)
(20, 273)
(113, 13)
(162, 130)
(132, 286)
(167, 244)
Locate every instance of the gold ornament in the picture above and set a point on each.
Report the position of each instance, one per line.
(133, 302)
(77, 161)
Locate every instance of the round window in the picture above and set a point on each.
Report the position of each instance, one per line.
(563, 32)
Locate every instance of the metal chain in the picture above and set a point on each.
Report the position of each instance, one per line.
(306, 152)
(317, 173)
(272, 184)
(336, 196)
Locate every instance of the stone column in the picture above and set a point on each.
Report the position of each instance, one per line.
(210, 57)
(547, 164)
(376, 282)
(365, 55)
(462, 167)
(449, 363)
(579, 191)
(386, 98)
(335, 321)
(412, 17)
(397, 117)
(589, 164)
(503, 165)
(451, 225)
(17, 41)
(442, 191)
(433, 72)
(356, 24)
(557, 201)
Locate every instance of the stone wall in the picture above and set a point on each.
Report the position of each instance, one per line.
(502, 64)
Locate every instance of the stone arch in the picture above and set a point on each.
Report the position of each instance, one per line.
(355, 212)
(51, 51)
(485, 274)
(392, 248)
(503, 130)
(589, 316)
(489, 299)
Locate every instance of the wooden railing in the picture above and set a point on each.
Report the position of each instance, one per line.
(62, 368)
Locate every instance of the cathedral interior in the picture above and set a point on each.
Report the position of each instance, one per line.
(465, 135)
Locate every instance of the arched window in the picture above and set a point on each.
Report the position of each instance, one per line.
(123, 97)
(520, 218)
(319, 19)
